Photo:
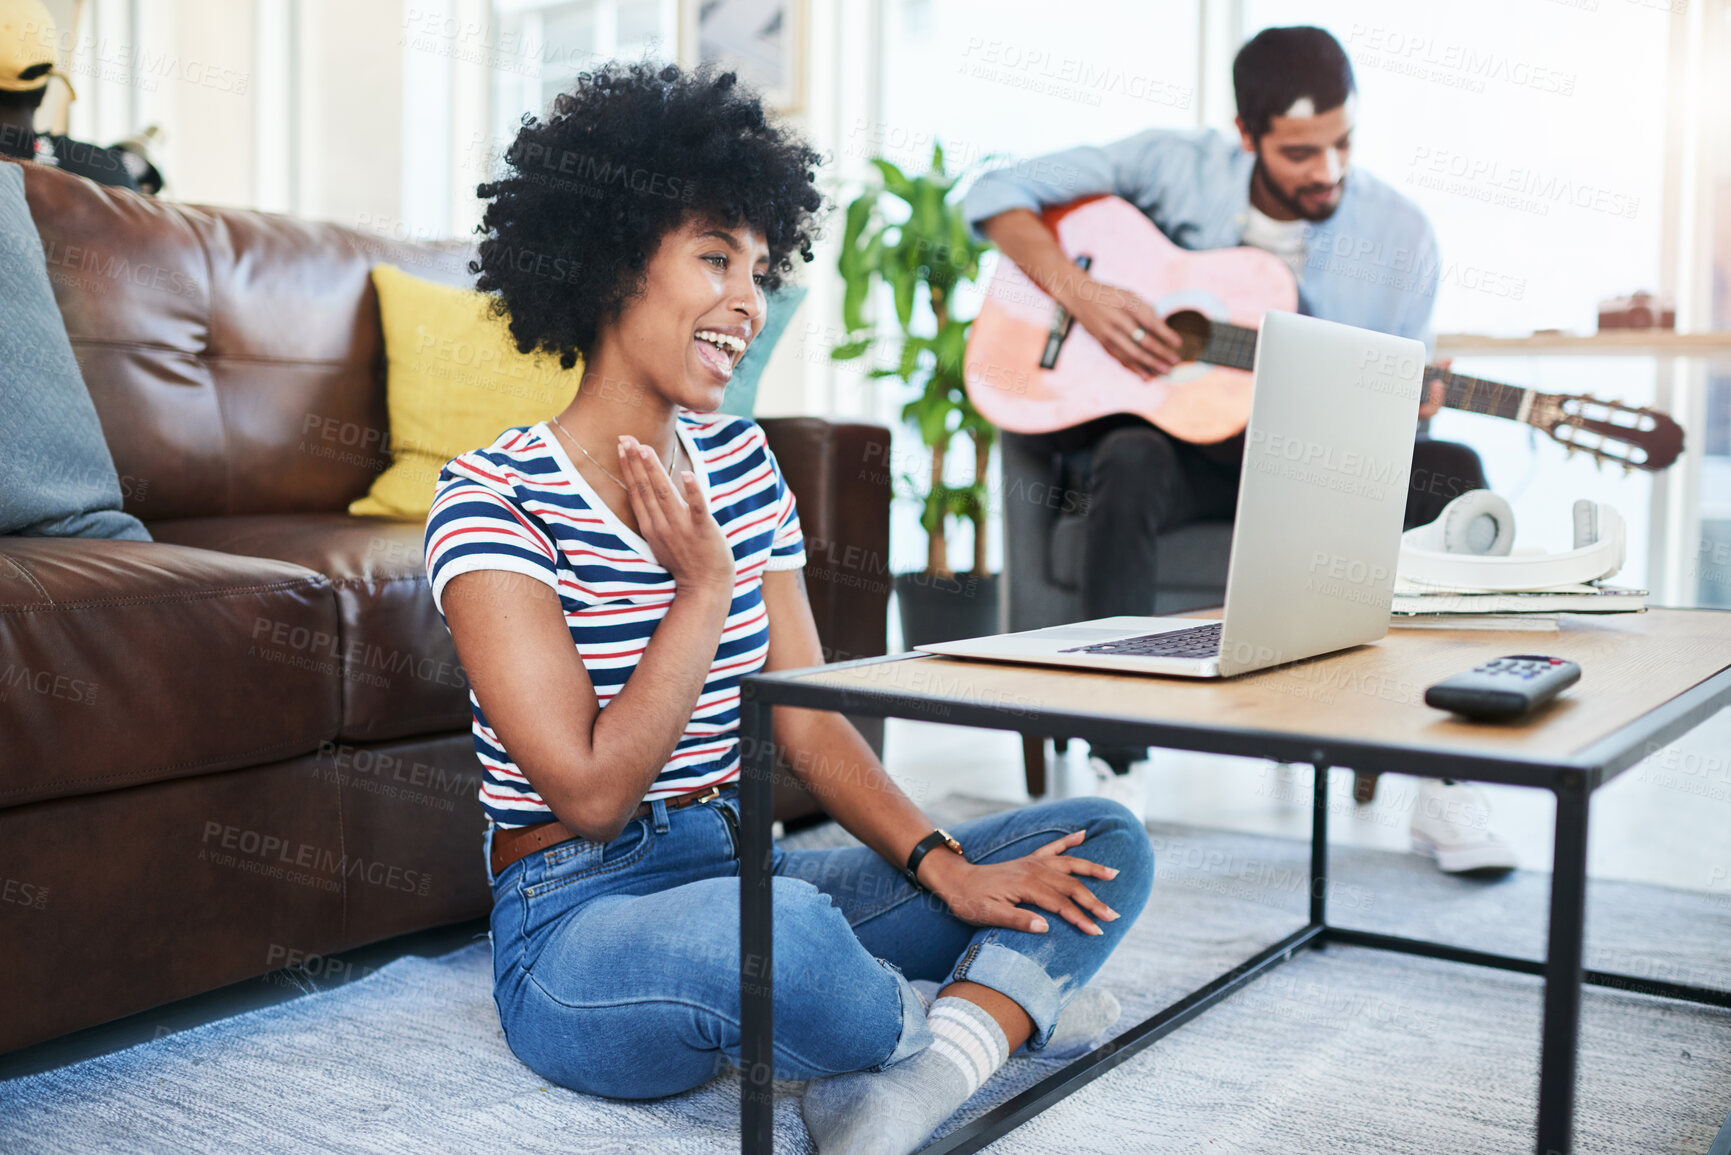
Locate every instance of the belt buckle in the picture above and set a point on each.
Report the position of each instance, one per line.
(709, 795)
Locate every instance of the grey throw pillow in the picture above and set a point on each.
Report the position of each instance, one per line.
(57, 478)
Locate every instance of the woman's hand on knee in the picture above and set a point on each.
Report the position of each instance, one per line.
(993, 894)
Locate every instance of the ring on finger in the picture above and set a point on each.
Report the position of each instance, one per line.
(1137, 334)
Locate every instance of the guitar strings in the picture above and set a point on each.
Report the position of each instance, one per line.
(1235, 346)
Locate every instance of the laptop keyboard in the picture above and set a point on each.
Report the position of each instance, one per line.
(1198, 642)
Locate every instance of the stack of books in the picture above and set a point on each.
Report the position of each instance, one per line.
(1435, 607)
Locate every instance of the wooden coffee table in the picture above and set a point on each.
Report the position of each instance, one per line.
(1646, 679)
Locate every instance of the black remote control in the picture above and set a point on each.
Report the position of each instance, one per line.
(1504, 688)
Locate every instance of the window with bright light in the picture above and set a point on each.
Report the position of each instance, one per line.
(554, 40)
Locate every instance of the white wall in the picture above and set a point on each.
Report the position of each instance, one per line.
(203, 97)
(291, 105)
(842, 91)
(351, 68)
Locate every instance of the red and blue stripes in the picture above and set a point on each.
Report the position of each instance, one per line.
(520, 505)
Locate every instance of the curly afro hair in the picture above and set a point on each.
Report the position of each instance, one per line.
(631, 154)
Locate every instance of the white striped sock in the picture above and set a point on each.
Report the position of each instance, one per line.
(969, 1038)
(892, 1111)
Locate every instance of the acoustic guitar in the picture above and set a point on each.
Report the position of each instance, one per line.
(1029, 370)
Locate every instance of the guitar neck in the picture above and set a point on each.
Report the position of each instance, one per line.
(1477, 395)
(1234, 346)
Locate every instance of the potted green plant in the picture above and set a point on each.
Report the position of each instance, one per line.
(922, 249)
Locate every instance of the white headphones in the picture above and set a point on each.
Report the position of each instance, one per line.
(1470, 547)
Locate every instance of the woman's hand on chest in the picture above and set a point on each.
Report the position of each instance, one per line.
(676, 522)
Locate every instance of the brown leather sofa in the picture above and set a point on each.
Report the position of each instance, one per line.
(248, 741)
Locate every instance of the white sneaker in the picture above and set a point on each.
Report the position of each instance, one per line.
(1451, 822)
(1129, 788)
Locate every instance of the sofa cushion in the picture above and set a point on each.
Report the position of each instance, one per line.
(454, 381)
(56, 476)
(392, 653)
(412, 809)
(138, 897)
(123, 662)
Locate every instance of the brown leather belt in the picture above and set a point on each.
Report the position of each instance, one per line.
(512, 843)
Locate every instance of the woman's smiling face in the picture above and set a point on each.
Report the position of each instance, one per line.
(704, 278)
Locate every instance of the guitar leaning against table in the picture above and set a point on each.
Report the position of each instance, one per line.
(1028, 370)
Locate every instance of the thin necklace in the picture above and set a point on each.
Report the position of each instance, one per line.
(672, 455)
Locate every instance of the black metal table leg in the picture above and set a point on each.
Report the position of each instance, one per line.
(1722, 1142)
(756, 944)
(1572, 780)
(1557, 1050)
(1319, 848)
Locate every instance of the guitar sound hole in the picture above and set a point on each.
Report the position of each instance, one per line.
(1194, 331)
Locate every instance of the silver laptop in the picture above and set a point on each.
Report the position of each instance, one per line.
(1327, 455)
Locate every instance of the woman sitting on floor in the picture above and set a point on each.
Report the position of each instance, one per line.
(610, 575)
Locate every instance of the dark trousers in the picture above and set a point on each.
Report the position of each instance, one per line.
(1141, 483)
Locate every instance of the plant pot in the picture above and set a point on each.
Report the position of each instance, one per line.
(941, 609)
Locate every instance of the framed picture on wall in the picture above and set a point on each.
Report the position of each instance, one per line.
(762, 40)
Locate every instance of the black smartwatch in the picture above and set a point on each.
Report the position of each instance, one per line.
(926, 845)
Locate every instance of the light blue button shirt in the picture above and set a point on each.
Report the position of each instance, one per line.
(1373, 263)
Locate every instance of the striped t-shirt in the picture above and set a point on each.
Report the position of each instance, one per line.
(520, 505)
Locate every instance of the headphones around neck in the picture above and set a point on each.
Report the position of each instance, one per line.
(1470, 546)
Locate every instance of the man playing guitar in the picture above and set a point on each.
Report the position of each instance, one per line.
(1362, 254)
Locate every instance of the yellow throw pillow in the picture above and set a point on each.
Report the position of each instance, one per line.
(454, 381)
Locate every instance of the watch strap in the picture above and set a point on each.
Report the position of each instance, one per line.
(922, 848)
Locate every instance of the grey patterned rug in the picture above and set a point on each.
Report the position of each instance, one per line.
(1341, 1051)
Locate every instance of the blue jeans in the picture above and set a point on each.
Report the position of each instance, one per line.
(616, 965)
